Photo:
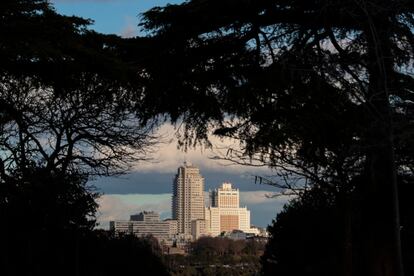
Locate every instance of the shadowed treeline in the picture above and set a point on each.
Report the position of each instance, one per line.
(320, 233)
(48, 230)
(78, 253)
(218, 256)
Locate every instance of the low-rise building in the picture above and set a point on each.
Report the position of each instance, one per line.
(198, 228)
(147, 223)
(145, 216)
(120, 227)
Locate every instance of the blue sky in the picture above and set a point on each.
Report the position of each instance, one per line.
(149, 185)
(110, 16)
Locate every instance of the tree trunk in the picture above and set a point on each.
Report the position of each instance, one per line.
(382, 245)
(345, 213)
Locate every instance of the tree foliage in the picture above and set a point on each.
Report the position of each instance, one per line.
(306, 238)
(321, 90)
(218, 256)
(62, 121)
(62, 108)
(77, 132)
(294, 76)
(62, 96)
(81, 253)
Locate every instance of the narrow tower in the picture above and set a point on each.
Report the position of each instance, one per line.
(188, 197)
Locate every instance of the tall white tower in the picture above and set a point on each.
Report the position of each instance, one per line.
(188, 197)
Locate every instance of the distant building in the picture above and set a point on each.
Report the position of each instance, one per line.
(259, 231)
(224, 214)
(191, 219)
(236, 235)
(198, 228)
(147, 223)
(188, 198)
(145, 216)
(120, 227)
(225, 197)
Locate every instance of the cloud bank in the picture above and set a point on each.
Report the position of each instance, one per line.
(168, 157)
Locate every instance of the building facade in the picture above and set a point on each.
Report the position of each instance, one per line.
(145, 216)
(188, 197)
(147, 223)
(225, 196)
(224, 214)
(120, 227)
(198, 228)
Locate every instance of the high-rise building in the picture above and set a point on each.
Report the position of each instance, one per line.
(225, 196)
(224, 214)
(188, 197)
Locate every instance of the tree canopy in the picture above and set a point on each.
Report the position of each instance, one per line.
(62, 121)
(63, 94)
(306, 238)
(316, 89)
(294, 75)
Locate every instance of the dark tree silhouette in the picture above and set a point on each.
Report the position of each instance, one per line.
(77, 132)
(62, 120)
(317, 89)
(55, 49)
(61, 124)
(305, 238)
(62, 95)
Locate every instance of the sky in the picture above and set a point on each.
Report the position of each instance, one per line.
(149, 185)
(110, 16)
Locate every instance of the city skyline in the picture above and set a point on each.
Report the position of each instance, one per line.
(119, 207)
(192, 216)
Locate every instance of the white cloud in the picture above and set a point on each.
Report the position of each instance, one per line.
(169, 158)
(260, 197)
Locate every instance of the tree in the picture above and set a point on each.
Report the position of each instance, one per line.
(305, 238)
(61, 123)
(315, 89)
(62, 94)
(53, 48)
(77, 132)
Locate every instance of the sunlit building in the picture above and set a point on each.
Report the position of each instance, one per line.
(224, 214)
(147, 223)
(198, 228)
(188, 198)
